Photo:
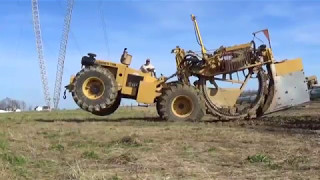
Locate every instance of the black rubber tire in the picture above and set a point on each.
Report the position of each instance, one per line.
(175, 90)
(158, 108)
(269, 94)
(109, 110)
(108, 97)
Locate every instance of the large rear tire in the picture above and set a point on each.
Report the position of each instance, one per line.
(94, 89)
(110, 109)
(181, 103)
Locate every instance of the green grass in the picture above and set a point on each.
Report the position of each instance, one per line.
(74, 115)
(44, 164)
(123, 158)
(259, 158)
(127, 141)
(130, 144)
(90, 155)
(115, 177)
(297, 161)
(262, 158)
(13, 159)
(212, 149)
(3, 144)
(57, 147)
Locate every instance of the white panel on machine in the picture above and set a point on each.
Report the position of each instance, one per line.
(290, 90)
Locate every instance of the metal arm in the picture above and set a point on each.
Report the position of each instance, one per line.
(196, 27)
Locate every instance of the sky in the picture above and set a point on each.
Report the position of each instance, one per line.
(149, 29)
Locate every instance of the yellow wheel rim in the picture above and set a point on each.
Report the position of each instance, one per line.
(182, 106)
(93, 88)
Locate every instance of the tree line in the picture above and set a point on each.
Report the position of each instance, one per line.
(9, 104)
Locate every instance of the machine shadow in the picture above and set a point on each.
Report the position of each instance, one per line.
(74, 120)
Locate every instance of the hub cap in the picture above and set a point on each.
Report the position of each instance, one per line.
(93, 88)
(182, 106)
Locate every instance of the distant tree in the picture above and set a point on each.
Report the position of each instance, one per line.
(5, 103)
(23, 105)
(12, 104)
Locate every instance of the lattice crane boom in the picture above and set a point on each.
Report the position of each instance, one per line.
(62, 54)
(39, 45)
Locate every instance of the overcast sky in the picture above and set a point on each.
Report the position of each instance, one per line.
(149, 29)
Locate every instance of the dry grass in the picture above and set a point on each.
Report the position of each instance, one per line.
(134, 144)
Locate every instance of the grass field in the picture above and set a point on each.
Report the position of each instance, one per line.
(135, 144)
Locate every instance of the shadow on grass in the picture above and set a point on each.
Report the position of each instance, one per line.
(149, 119)
(281, 124)
(294, 122)
(273, 124)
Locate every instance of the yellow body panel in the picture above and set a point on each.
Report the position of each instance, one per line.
(288, 66)
(127, 90)
(224, 96)
(145, 92)
(119, 69)
(107, 63)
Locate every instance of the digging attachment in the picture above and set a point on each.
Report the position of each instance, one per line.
(289, 85)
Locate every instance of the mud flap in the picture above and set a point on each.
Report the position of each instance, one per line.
(290, 85)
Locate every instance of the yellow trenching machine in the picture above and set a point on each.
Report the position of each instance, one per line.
(230, 82)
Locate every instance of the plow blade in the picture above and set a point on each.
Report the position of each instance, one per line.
(290, 85)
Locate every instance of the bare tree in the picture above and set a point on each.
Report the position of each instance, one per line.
(4, 104)
(12, 104)
(23, 105)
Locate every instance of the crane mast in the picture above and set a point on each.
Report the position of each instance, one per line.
(39, 45)
(62, 54)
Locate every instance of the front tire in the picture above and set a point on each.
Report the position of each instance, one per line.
(94, 88)
(181, 103)
(110, 109)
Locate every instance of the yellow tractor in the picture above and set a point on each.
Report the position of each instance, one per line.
(100, 85)
(241, 81)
